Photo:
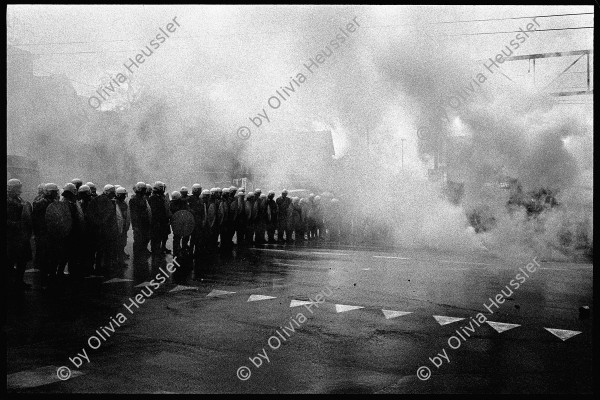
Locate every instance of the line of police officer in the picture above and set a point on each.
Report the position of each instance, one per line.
(95, 241)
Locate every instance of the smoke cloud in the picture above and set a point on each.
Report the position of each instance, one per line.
(176, 118)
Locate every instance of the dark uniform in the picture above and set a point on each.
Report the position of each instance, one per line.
(260, 208)
(223, 222)
(295, 218)
(195, 206)
(72, 242)
(141, 217)
(283, 203)
(250, 218)
(231, 217)
(203, 225)
(86, 246)
(271, 217)
(186, 239)
(213, 222)
(167, 226)
(239, 221)
(18, 234)
(177, 204)
(124, 225)
(160, 221)
(103, 214)
(47, 254)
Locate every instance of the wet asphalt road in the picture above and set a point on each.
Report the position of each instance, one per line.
(193, 341)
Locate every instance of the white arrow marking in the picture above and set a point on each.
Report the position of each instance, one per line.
(257, 297)
(501, 326)
(389, 314)
(562, 334)
(446, 320)
(343, 308)
(218, 293)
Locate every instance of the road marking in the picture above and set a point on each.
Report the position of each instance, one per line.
(442, 320)
(398, 258)
(501, 326)
(143, 284)
(562, 334)
(366, 269)
(32, 270)
(296, 303)
(218, 293)
(559, 269)
(343, 308)
(465, 262)
(257, 297)
(321, 252)
(36, 377)
(389, 314)
(94, 276)
(266, 249)
(179, 288)
(286, 265)
(117, 280)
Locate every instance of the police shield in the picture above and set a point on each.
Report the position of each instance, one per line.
(58, 219)
(182, 223)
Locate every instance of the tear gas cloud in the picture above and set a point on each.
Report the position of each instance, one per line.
(176, 119)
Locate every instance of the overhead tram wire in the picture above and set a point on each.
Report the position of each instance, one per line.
(507, 18)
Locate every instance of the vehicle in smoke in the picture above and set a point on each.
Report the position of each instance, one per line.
(482, 218)
(573, 238)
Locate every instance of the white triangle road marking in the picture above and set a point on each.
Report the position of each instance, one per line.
(343, 308)
(218, 293)
(442, 320)
(257, 297)
(143, 284)
(297, 303)
(562, 334)
(179, 288)
(389, 314)
(501, 326)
